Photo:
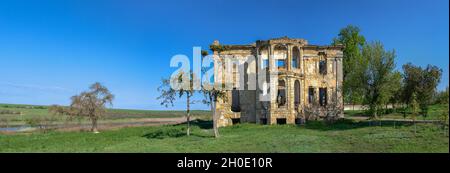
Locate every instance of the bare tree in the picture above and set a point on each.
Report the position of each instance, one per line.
(90, 104)
(168, 95)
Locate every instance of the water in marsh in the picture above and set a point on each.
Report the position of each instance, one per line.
(15, 129)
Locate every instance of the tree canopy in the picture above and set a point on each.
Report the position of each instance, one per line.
(353, 62)
(422, 81)
(378, 75)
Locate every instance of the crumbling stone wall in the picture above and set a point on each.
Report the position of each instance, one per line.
(310, 60)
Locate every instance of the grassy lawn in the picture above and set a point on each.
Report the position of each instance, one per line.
(344, 136)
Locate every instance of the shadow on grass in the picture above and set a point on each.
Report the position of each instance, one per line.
(356, 114)
(165, 133)
(179, 130)
(202, 124)
(348, 124)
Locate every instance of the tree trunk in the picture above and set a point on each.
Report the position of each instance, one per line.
(445, 131)
(213, 110)
(188, 116)
(404, 111)
(94, 125)
(375, 113)
(415, 127)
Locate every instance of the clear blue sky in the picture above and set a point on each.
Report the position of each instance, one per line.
(51, 50)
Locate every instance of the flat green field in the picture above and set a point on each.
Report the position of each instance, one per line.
(348, 135)
(345, 136)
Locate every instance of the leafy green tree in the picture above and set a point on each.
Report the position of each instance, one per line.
(431, 78)
(395, 89)
(353, 63)
(411, 79)
(377, 76)
(414, 110)
(423, 82)
(441, 97)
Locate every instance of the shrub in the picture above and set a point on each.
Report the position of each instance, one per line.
(43, 124)
(9, 112)
(4, 122)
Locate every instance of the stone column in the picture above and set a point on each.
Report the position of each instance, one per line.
(340, 78)
(258, 106)
(288, 81)
(272, 83)
(302, 69)
(271, 58)
(335, 66)
(291, 100)
(289, 57)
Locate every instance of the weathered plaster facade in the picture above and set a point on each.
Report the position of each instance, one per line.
(309, 77)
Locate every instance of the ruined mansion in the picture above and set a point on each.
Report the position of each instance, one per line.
(306, 80)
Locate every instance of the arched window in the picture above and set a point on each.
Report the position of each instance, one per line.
(281, 96)
(323, 97)
(295, 58)
(296, 93)
(246, 82)
(311, 95)
(323, 67)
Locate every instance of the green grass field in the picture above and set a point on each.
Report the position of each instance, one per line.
(346, 136)
(315, 136)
